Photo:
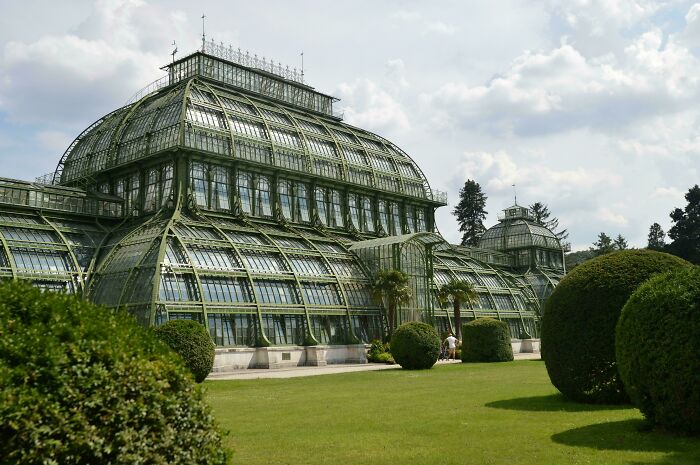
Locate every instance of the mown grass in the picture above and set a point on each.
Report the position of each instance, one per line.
(505, 413)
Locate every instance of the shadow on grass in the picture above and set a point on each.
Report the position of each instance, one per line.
(633, 435)
(550, 403)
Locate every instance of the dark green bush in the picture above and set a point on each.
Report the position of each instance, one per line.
(192, 342)
(658, 347)
(578, 325)
(415, 345)
(81, 385)
(486, 340)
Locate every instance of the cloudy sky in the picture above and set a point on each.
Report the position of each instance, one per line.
(590, 106)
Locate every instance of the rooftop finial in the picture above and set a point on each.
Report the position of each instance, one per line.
(515, 194)
(204, 36)
(174, 51)
(302, 66)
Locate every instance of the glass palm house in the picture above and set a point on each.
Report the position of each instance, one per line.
(232, 194)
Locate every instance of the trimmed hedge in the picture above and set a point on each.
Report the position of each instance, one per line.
(658, 342)
(81, 384)
(192, 342)
(415, 345)
(486, 340)
(578, 325)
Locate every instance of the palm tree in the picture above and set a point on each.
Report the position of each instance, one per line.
(459, 292)
(391, 288)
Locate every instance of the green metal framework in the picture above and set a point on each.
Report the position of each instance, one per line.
(236, 197)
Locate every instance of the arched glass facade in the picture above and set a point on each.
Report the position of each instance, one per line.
(239, 199)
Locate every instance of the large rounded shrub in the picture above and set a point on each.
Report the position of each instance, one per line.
(192, 342)
(578, 325)
(658, 342)
(415, 345)
(486, 340)
(80, 384)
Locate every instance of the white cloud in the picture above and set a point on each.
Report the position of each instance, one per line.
(669, 192)
(87, 72)
(438, 27)
(562, 89)
(609, 217)
(55, 141)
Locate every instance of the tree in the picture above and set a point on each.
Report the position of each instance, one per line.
(620, 242)
(606, 244)
(656, 239)
(686, 230)
(470, 212)
(542, 215)
(390, 287)
(459, 292)
(603, 245)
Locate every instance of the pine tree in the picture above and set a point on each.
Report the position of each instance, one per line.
(620, 242)
(542, 215)
(470, 212)
(656, 239)
(603, 245)
(686, 230)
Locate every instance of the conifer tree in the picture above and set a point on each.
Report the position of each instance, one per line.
(470, 212)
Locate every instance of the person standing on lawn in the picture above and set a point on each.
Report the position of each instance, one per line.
(451, 346)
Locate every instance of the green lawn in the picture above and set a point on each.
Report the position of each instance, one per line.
(505, 413)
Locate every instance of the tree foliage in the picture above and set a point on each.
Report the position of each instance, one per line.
(458, 292)
(656, 240)
(486, 340)
(415, 345)
(192, 342)
(606, 244)
(390, 287)
(578, 324)
(544, 217)
(471, 213)
(80, 384)
(685, 232)
(657, 346)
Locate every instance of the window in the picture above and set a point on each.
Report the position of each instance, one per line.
(226, 289)
(247, 127)
(35, 260)
(308, 266)
(359, 295)
(213, 257)
(29, 235)
(337, 218)
(284, 329)
(263, 262)
(302, 203)
(284, 190)
(410, 219)
(220, 193)
(245, 192)
(174, 253)
(396, 219)
(346, 268)
(178, 287)
(420, 220)
(276, 292)
(132, 200)
(321, 209)
(384, 216)
(321, 294)
(367, 327)
(264, 205)
(330, 329)
(206, 116)
(242, 237)
(354, 210)
(367, 215)
(291, 243)
(232, 330)
(200, 187)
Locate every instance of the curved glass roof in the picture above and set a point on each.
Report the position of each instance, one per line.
(516, 234)
(208, 117)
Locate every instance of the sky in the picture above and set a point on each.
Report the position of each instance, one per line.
(588, 106)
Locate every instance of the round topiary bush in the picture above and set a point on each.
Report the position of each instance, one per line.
(486, 340)
(80, 384)
(658, 342)
(192, 342)
(415, 345)
(578, 325)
